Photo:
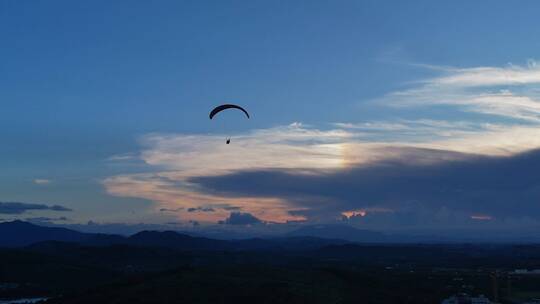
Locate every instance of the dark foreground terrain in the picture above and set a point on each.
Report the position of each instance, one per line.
(295, 270)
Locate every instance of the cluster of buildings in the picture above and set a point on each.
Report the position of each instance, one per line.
(6, 286)
(526, 272)
(463, 298)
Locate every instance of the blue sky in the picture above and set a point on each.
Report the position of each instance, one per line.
(104, 106)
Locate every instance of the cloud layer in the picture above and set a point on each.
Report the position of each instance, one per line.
(468, 186)
(20, 208)
(397, 172)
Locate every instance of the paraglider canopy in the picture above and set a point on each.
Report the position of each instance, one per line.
(225, 107)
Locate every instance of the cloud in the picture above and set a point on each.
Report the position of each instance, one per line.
(46, 220)
(184, 156)
(289, 146)
(388, 172)
(365, 211)
(122, 157)
(171, 210)
(41, 181)
(174, 223)
(19, 208)
(413, 190)
(185, 181)
(59, 208)
(200, 209)
(511, 75)
(509, 92)
(231, 208)
(239, 218)
(481, 217)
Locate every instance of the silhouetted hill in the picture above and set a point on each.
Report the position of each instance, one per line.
(340, 232)
(100, 239)
(19, 233)
(171, 239)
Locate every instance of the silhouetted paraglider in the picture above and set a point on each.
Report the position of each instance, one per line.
(223, 107)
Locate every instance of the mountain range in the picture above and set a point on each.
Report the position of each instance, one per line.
(22, 234)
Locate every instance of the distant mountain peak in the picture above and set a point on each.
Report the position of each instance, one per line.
(18, 223)
(20, 233)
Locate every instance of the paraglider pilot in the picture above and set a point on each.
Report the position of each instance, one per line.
(225, 107)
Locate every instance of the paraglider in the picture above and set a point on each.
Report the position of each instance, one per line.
(223, 107)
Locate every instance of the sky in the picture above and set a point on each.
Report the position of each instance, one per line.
(382, 115)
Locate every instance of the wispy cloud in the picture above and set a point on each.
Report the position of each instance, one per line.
(293, 146)
(46, 220)
(481, 217)
(503, 91)
(490, 76)
(122, 157)
(19, 208)
(171, 210)
(201, 209)
(42, 181)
